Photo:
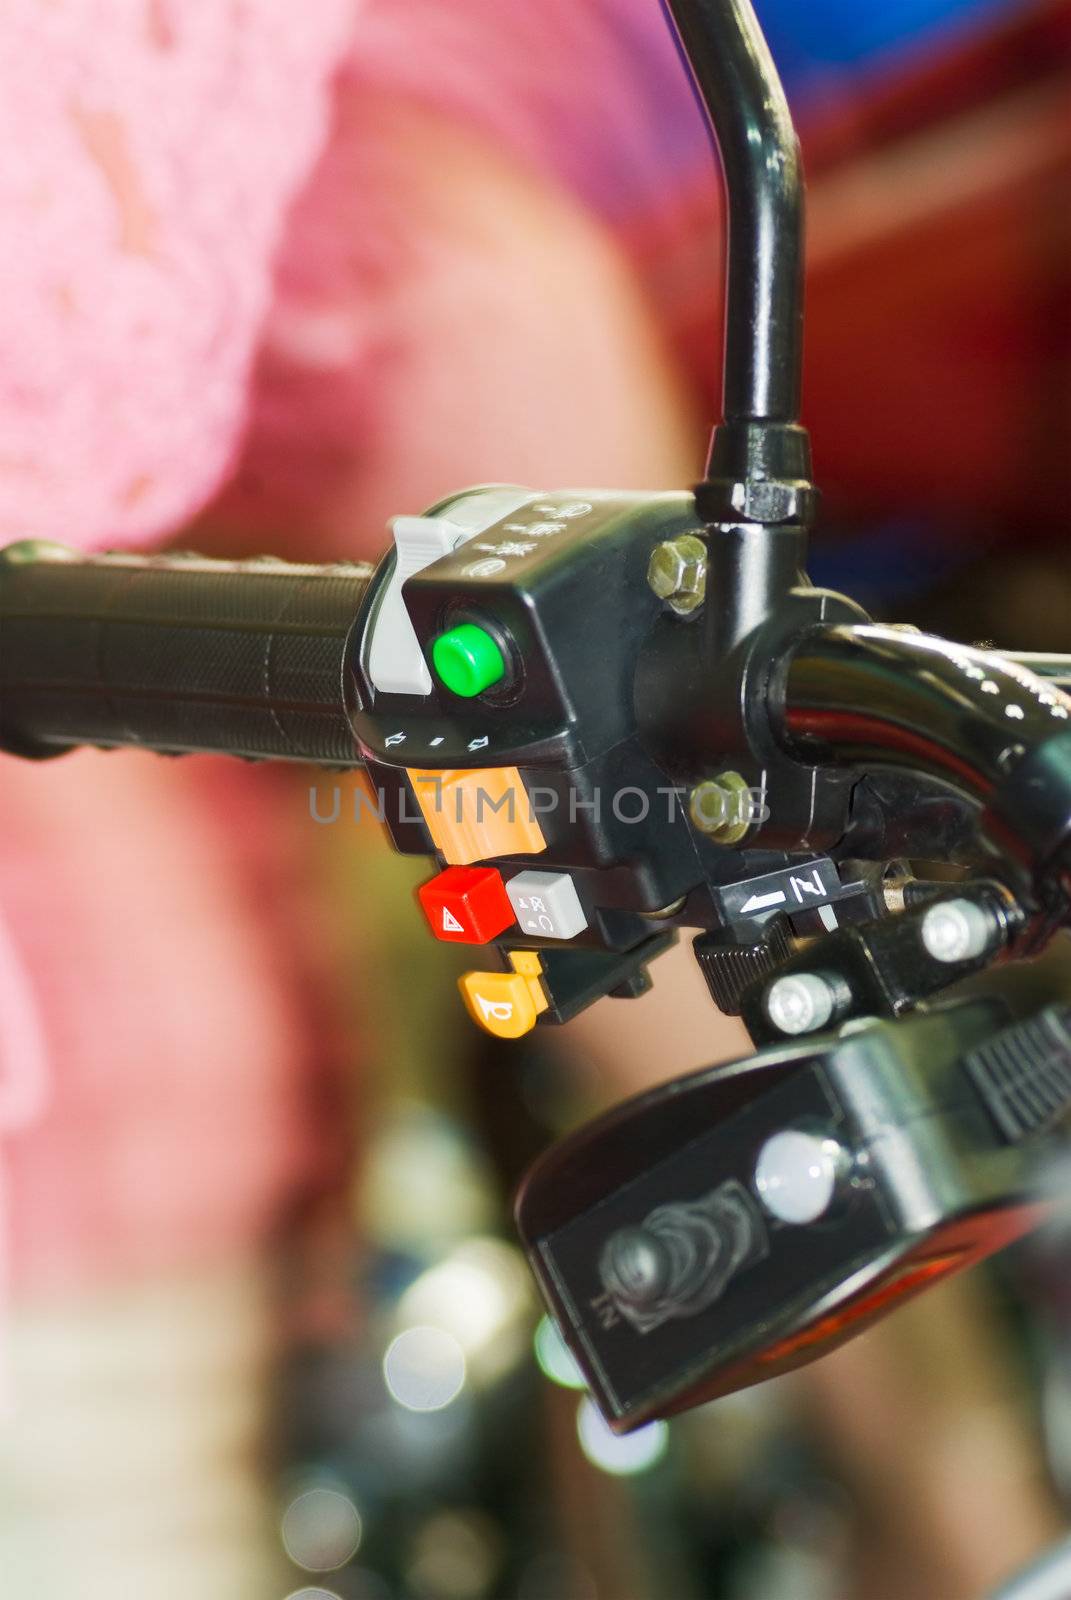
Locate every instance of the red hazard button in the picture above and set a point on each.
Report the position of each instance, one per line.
(468, 905)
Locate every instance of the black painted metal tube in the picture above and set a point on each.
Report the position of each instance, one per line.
(741, 91)
(870, 694)
(1054, 669)
(878, 697)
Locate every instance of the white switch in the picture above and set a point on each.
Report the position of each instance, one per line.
(547, 903)
(396, 663)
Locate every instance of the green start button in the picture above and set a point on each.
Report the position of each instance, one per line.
(468, 660)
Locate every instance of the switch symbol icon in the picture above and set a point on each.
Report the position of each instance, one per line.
(809, 885)
(495, 1010)
(450, 922)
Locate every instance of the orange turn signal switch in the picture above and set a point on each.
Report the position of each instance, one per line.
(477, 813)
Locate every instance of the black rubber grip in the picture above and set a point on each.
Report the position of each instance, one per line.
(175, 653)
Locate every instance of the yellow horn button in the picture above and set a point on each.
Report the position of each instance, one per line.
(506, 1003)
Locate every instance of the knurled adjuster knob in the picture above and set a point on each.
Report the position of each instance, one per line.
(730, 965)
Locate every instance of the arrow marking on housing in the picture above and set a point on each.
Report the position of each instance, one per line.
(760, 902)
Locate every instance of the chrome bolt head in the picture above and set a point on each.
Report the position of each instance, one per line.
(721, 807)
(957, 930)
(800, 1002)
(677, 573)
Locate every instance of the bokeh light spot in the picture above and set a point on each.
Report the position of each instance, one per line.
(456, 1556)
(635, 1452)
(424, 1369)
(556, 1360)
(481, 1294)
(321, 1530)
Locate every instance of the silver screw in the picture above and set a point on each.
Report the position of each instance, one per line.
(721, 807)
(677, 573)
(957, 930)
(800, 1003)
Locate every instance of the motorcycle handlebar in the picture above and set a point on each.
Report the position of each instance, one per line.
(179, 654)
